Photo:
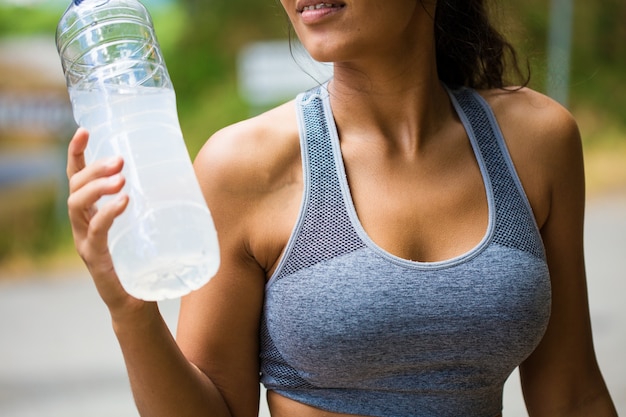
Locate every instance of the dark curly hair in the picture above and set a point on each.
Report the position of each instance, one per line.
(470, 51)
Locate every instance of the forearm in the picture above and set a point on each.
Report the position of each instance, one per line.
(586, 395)
(163, 381)
(598, 406)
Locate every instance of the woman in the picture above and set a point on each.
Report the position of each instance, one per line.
(382, 254)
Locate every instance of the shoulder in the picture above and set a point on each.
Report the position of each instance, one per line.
(535, 112)
(544, 142)
(250, 174)
(247, 172)
(537, 119)
(249, 157)
(537, 127)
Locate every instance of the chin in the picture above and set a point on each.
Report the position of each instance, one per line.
(326, 51)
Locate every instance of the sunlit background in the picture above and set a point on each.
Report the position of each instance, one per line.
(230, 59)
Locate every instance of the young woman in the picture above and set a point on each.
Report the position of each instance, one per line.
(394, 243)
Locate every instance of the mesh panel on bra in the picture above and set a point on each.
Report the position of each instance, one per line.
(514, 221)
(281, 374)
(326, 231)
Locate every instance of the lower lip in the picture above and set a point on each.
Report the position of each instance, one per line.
(317, 15)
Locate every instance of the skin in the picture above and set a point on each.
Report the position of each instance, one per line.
(402, 141)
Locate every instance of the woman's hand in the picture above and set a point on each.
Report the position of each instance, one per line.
(90, 225)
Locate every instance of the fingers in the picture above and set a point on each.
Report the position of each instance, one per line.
(90, 226)
(77, 171)
(106, 168)
(101, 222)
(87, 184)
(83, 197)
(92, 246)
(76, 152)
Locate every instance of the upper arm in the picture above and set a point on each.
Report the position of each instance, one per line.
(219, 324)
(562, 374)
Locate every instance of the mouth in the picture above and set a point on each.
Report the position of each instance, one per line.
(320, 6)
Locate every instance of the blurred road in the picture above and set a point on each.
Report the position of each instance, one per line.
(59, 357)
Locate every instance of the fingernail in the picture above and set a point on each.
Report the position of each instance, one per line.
(113, 161)
(114, 179)
(120, 199)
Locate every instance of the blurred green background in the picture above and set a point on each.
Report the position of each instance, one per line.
(201, 41)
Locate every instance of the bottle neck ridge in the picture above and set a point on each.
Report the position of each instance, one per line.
(97, 2)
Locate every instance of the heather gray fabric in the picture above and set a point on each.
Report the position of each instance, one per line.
(350, 328)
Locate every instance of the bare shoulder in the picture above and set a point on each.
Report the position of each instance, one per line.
(251, 176)
(544, 142)
(538, 116)
(250, 157)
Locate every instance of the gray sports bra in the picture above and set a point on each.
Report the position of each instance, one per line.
(350, 328)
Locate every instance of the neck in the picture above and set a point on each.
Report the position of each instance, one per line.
(398, 99)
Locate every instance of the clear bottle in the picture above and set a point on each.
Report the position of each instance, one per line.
(164, 245)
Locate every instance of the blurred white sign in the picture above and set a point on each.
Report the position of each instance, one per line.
(35, 112)
(271, 72)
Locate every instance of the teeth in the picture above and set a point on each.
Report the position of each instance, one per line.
(318, 6)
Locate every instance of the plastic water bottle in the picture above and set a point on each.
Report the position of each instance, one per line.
(164, 245)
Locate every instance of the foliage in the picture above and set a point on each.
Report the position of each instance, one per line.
(29, 220)
(598, 56)
(214, 32)
(16, 21)
(203, 63)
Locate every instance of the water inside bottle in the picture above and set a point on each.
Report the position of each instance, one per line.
(164, 244)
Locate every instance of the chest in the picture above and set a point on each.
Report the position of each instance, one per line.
(479, 318)
(425, 209)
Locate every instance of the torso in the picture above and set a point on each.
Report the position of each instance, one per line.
(447, 184)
